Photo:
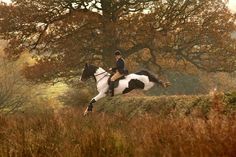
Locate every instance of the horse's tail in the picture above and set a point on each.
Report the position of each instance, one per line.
(153, 78)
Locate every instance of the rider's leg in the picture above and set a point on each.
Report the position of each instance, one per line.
(116, 76)
(111, 88)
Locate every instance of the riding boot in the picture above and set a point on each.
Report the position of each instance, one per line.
(111, 88)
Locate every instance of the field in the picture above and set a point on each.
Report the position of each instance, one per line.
(48, 48)
(207, 128)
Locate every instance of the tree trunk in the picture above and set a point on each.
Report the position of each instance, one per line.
(109, 30)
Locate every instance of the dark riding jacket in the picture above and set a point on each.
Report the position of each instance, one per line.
(120, 66)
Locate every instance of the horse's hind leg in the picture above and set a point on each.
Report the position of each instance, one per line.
(134, 84)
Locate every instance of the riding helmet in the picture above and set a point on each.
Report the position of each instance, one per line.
(117, 53)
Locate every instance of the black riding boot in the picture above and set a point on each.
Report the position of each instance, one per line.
(111, 88)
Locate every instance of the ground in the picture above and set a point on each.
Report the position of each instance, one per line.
(126, 126)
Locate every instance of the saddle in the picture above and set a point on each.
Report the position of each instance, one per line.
(116, 83)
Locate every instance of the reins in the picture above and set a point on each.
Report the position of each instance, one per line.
(103, 76)
(100, 73)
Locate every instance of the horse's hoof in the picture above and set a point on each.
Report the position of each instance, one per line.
(166, 84)
(87, 111)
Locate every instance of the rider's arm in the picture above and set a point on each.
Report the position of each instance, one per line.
(113, 69)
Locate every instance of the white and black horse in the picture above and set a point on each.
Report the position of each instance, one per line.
(140, 80)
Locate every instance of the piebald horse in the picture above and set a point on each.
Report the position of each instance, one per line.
(139, 80)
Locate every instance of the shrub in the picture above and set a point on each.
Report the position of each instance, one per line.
(14, 89)
(68, 133)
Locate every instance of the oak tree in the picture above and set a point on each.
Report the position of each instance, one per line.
(64, 34)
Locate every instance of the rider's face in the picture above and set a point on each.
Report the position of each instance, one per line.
(117, 57)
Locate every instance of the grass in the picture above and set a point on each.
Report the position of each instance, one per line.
(176, 105)
(67, 133)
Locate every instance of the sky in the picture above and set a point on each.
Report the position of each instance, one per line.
(232, 4)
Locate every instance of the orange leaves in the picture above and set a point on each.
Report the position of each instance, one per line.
(67, 133)
(78, 30)
(44, 69)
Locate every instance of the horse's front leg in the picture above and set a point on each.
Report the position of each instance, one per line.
(95, 99)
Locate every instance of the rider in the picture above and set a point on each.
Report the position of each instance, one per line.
(119, 71)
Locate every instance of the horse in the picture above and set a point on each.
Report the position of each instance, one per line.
(140, 80)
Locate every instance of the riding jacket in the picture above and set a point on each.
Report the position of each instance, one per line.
(120, 66)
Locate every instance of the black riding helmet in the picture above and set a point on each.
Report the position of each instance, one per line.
(117, 53)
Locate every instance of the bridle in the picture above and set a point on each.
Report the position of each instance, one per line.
(107, 74)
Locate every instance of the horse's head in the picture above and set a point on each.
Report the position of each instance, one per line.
(88, 72)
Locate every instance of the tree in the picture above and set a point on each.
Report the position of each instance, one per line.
(68, 33)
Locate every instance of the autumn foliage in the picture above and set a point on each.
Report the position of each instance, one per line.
(67, 133)
(163, 36)
(187, 31)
